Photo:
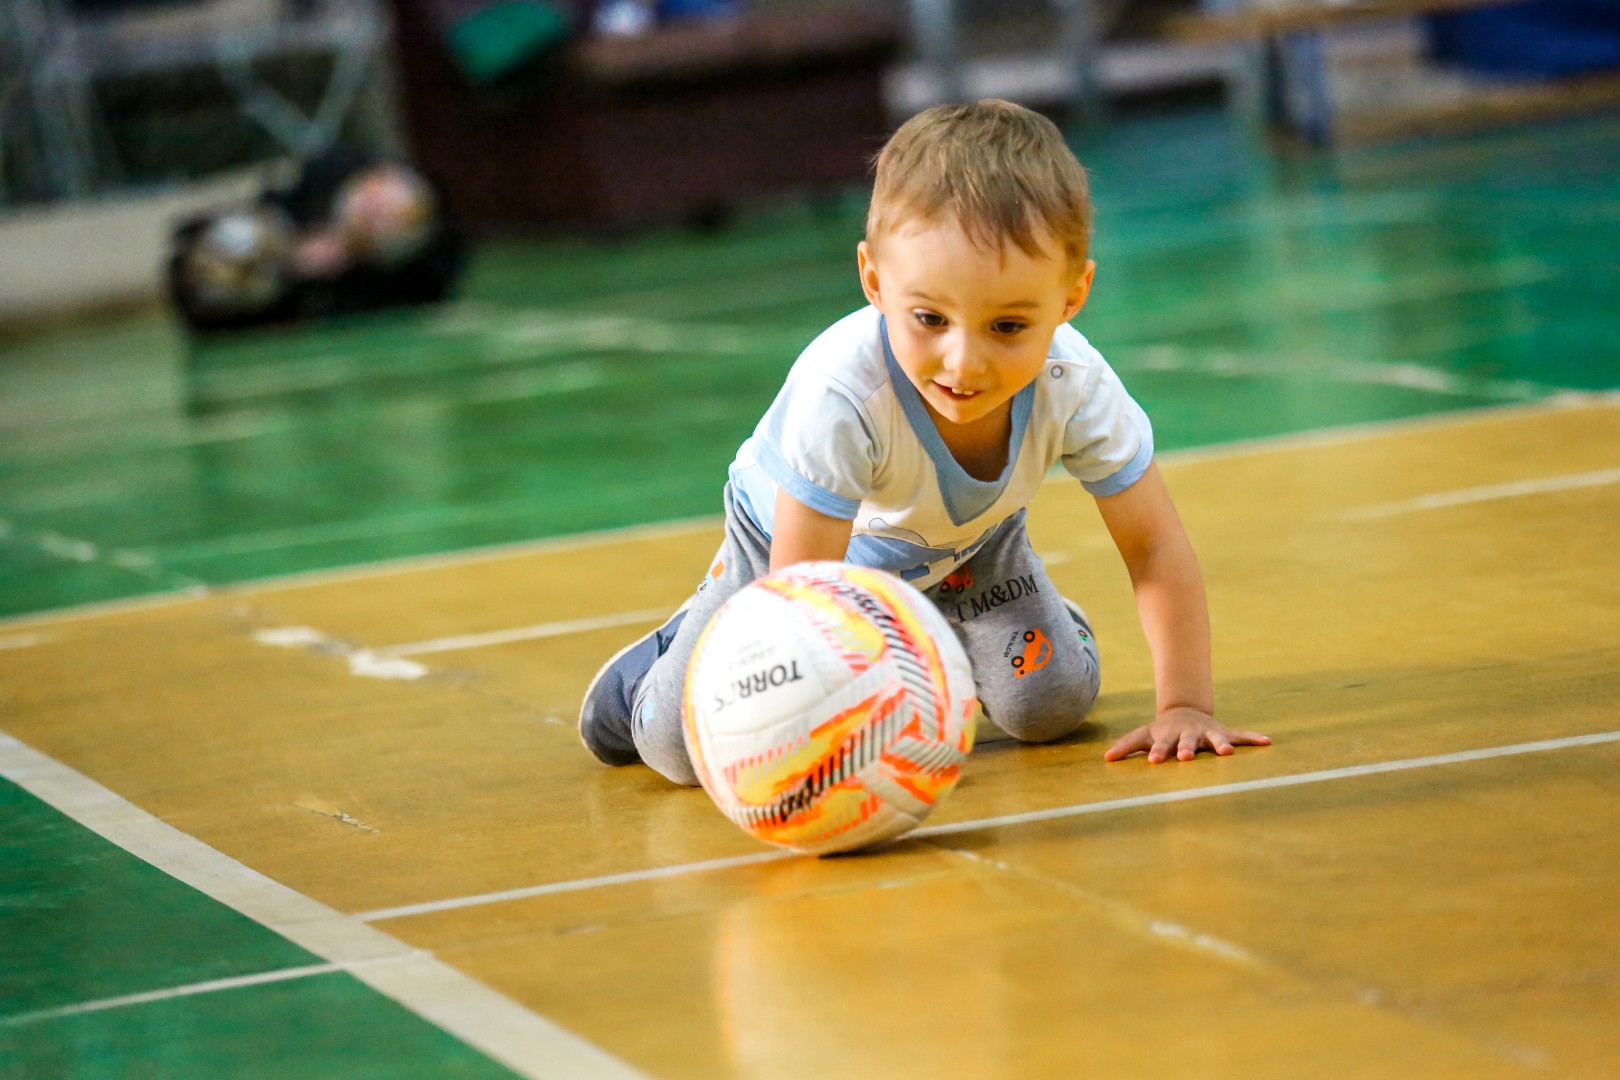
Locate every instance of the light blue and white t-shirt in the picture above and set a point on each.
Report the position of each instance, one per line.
(849, 435)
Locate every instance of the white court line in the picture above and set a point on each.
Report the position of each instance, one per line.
(384, 568)
(190, 989)
(1304, 439)
(1007, 821)
(1270, 782)
(1237, 448)
(490, 1022)
(389, 661)
(1268, 444)
(335, 532)
(1403, 376)
(24, 641)
(1484, 493)
(524, 633)
(627, 878)
(409, 564)
(128, 605)
(1343, 434)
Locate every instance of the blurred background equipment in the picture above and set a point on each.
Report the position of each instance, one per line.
(234, 267)
(99, 95)
(676, 118)
(119, 117)
(1077, 57)
(349, 233)
(491, 40)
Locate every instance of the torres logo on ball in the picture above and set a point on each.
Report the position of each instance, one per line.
(757, 683)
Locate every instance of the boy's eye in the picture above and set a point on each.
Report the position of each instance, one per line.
(931, 319)
(1007, 327)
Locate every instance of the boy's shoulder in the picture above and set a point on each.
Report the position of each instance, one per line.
(1073, 368)
(1078, 382)
(849, 354)
(1071, 347)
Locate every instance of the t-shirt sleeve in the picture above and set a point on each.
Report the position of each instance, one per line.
(817, 445)
(1108, 442)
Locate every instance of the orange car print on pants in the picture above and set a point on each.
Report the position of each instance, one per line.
(1037, 652)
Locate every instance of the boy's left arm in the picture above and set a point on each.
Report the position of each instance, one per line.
(1175, 617)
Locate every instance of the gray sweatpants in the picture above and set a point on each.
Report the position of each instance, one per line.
(1035, 671)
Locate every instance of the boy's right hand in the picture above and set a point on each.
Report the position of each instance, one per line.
(1182, 732)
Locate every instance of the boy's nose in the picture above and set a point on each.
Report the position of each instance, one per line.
(965, 364)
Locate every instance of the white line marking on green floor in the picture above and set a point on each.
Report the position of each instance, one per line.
(209, 986)
(713, 522)
(1304, 368)
(490, 1022)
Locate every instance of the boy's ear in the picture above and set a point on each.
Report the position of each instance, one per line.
(868, 271)
(1081, 290)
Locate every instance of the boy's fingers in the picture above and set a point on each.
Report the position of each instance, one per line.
(1127, 746)
(1184, 747)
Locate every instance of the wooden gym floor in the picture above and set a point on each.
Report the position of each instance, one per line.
(336, 822)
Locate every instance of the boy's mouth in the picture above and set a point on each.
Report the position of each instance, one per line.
(955, 394)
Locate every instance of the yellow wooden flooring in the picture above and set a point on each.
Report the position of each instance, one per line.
(1460, 919)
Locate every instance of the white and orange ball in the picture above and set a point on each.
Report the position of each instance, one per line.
(828, 707)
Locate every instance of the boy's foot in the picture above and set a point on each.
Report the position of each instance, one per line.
(1081, 623)
(604, 715)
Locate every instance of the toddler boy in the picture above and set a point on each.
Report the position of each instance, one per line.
(911, 435)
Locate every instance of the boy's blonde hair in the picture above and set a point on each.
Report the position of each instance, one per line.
(1001, 171)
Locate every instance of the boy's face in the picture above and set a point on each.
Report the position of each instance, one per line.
(970, 327)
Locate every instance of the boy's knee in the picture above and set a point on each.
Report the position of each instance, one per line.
(1044, 724)
(1057, 712)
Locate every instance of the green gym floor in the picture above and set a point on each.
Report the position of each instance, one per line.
(575, 387)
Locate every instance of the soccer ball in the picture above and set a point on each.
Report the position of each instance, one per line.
(240, 263)
(828, 707)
